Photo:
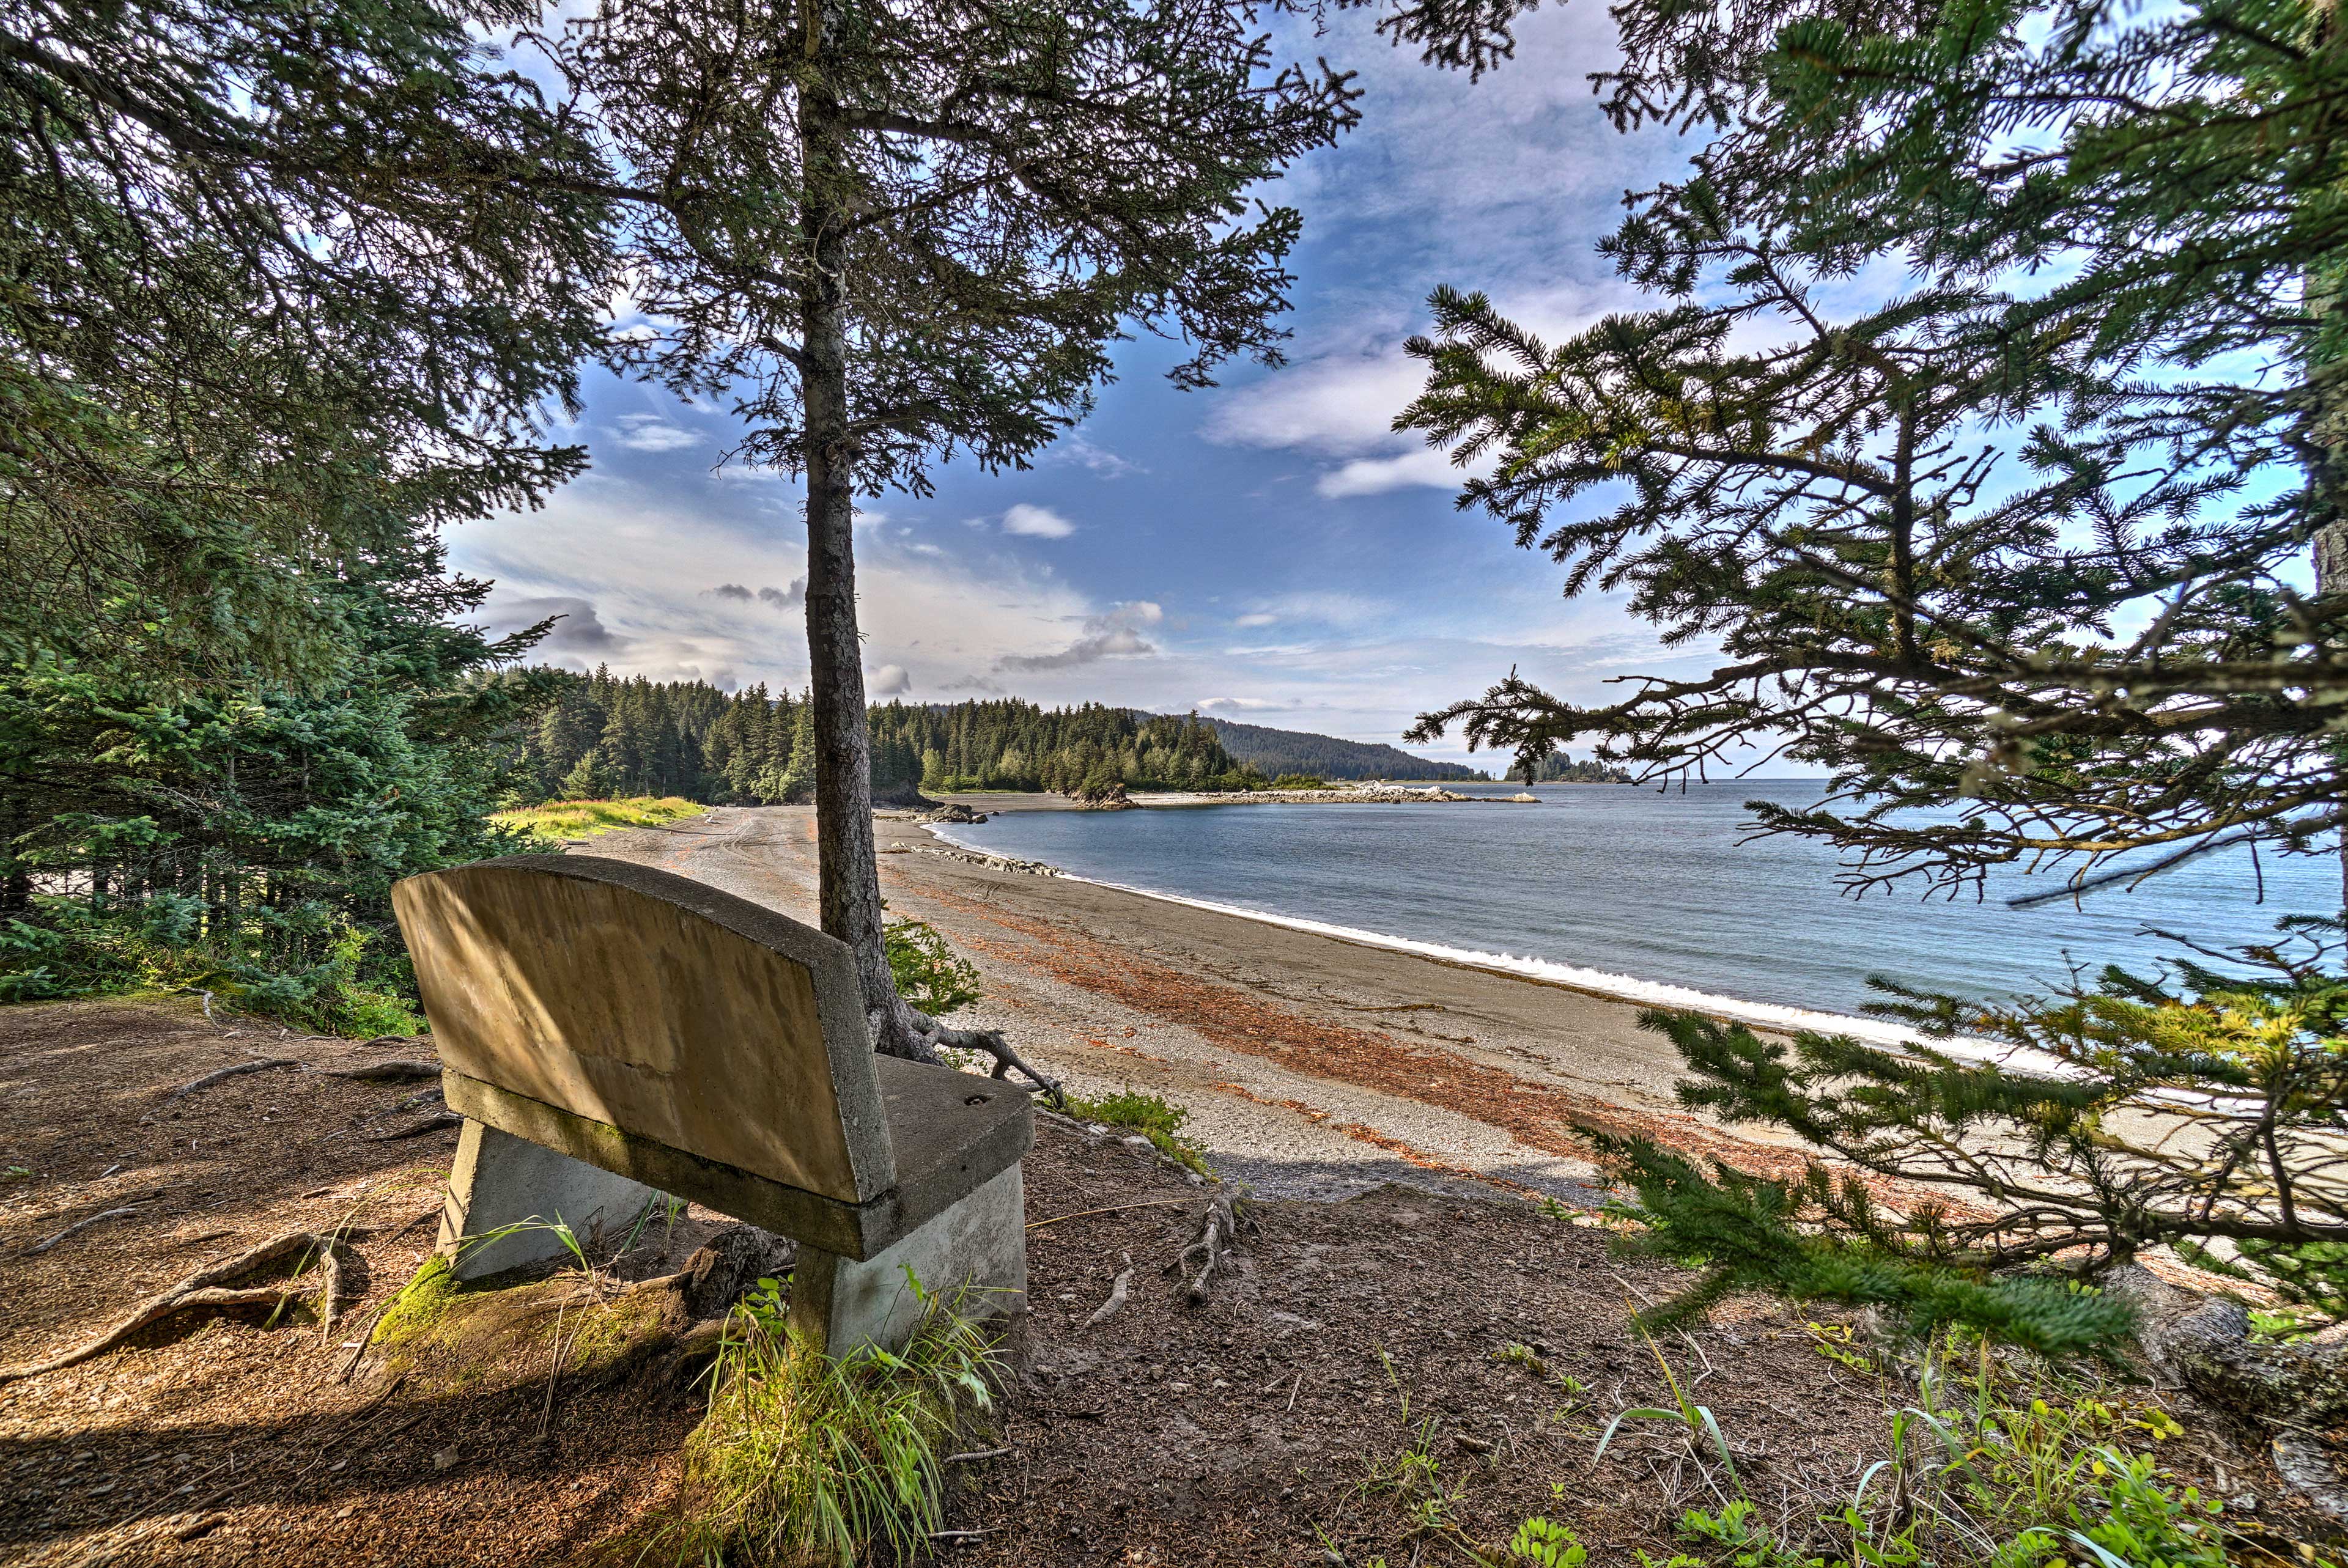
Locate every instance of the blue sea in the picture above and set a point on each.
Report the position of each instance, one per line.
(1646, 895)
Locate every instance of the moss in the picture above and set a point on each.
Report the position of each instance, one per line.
(421, 1307)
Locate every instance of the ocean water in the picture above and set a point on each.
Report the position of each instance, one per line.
(1644, 894)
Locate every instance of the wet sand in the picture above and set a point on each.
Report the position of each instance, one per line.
(1310, 1065)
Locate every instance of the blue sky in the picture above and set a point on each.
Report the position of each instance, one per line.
(1264, 551)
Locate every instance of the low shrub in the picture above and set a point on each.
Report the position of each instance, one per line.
(556, 820)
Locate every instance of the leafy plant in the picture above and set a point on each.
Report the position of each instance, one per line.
(1696, 1421)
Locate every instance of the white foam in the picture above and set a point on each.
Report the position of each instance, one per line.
(1629, 987)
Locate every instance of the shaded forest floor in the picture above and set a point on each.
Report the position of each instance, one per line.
(1342, 1379)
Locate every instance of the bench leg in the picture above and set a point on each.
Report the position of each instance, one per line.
(980, 1241)
(500, 1180)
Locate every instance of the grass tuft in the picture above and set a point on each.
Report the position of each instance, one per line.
(1153, 1118)
(803, 1460)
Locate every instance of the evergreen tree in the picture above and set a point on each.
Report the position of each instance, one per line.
(798, 780)
(285, 283)
(1995, 539)
(910, 232)
(2020, 537)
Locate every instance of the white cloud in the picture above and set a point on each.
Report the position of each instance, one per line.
(1036, 522)
(633, 564)
(890, 680)
(1256, 618)
(651, 433)
(1237, 705)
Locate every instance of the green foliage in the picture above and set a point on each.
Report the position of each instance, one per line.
(285, 283)
(1980, 1468)
(2012, 530)
(1155, 1119)
(636, 737)
(929, 974)
(1300, 781)
(804, 1459)
(242, 837)
(2095, 1147)
(1749, 1233)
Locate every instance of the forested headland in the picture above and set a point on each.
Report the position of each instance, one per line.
(605, 735)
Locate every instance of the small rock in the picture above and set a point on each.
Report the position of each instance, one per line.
(445, 1459)
(2246, 1503)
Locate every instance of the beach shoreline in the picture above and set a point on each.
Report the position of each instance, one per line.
(1312, 1065)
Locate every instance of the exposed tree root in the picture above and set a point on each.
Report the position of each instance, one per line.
(1219, 1230)
(37, 1248)
(1116, 1302)
(439, 1124)
(914, 1034)
(238, 1071)
(210, 1287)
(400, 1071)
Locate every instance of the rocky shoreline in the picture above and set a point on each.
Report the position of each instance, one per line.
(1350, 794)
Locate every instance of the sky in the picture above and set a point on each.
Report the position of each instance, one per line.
(1266, 550)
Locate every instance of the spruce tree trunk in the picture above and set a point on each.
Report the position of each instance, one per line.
(2331, 578)
(847, 871)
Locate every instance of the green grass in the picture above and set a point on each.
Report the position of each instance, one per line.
(1146, 1114)
(805, 1460)
(562, 819)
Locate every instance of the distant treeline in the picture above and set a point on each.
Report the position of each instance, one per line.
(1565, 770)
(607, 736)
(1275, 751)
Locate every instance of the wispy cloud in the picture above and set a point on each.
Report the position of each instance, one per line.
(651, 433)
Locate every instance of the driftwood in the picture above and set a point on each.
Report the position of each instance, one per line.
(1219, 1231)
(210, 1287)
(2278, 1390)
(268, 1064)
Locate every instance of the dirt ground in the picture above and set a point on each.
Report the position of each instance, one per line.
(1262, 1428)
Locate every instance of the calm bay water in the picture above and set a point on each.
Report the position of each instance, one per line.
(1631, 891)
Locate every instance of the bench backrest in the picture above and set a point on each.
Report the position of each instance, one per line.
(661, 1006)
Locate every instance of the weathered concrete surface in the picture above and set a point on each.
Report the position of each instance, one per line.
(500, 1180)
(980, 1243)
(656, 1005)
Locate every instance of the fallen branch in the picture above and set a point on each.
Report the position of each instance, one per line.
(222, 1075)
(400, 1071)
(37, 1248)
(209, 1286)
(1116, 1302)
(974, 1458)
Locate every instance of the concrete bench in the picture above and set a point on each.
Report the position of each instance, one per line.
(613, 1033)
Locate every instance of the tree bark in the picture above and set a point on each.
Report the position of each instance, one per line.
(847, 871)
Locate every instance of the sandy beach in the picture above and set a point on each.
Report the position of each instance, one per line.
(1310, 1065)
